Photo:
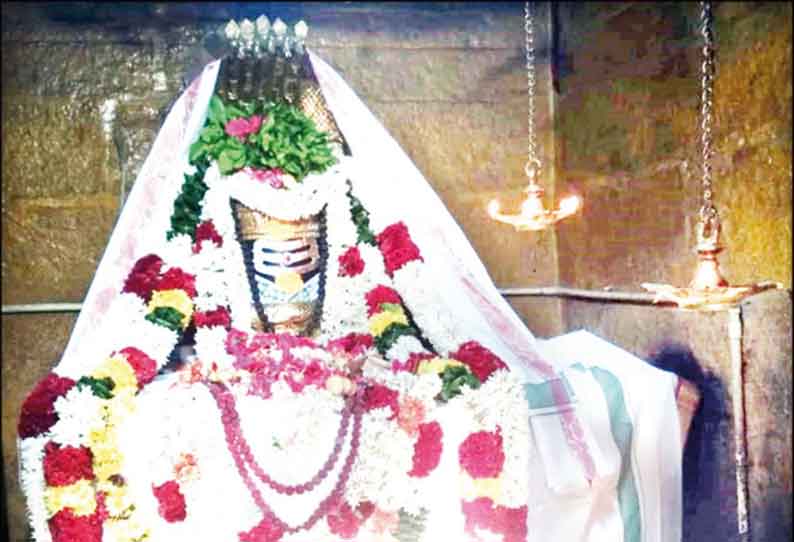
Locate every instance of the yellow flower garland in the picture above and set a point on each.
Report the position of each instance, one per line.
(379, 322)
(436, 365)
(117, 369)
(175, 299)
(79, 496)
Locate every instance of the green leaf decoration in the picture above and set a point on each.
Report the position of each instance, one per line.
(453, 379)
(167, 317)
(361, 219)
(287, 139)
(390, 335)
(217, 112)
(101, 387)
(187, 206)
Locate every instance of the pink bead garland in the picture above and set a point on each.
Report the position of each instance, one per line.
(242, 455)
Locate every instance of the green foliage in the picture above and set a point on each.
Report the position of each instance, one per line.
(453, 379)
(101, 387)
(187, 206)
(287, 140)
(360, 218)
(390, 336)
(167, 317)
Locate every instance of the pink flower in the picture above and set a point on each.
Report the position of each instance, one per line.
(481, 454)
(343, 522)
(427, 449)
(412, 414)
(274, 177)
(511, 523)
(383, 521)
(350, 263)
(171, 501)
(353, 343)
(240, 128)
(265, 531)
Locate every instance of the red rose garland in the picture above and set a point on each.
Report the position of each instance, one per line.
(66, 465)
(216, 317)
(38, 411)
(378, 295)
(481, 361)
(171, 501)
(397, 247)
(427, 449)
(206, 232)
(481, 454)
(144, 277)
(176, 279)
(350, 263)
(65, 526)
(379, 396)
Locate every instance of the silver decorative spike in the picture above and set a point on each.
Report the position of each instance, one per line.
(247, 35)
(301, 31)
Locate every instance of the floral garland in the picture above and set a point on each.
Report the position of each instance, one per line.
(380, 313)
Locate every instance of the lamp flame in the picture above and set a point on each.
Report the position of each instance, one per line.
(533, 216)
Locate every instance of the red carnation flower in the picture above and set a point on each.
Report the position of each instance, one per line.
(397, 247)
(65, 466)
(427, 449)
(350, 263)
(352, 343)
(480, 360)
(217, 317)
(481, 454)
(38, 411)
(343, 522)
(144, 276)
(378, 295)
(242, 127)
(206, 232)
(65, 526)
(264, 531)
(171, 501)
(379, 396)
(176, 279)
(145, 367)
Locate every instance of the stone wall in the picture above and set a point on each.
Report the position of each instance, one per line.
(628, 134)
(85, 87)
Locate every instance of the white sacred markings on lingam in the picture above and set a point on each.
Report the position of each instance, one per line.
(533, 216)
(709, 290)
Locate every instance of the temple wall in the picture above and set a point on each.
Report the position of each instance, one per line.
(85, 88)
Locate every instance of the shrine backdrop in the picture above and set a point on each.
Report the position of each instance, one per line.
(85, 87)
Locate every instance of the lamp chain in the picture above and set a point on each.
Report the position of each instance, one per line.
(707, 211)
(532, 167)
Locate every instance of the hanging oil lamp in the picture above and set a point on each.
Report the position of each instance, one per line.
(709, 290)
(533, 216)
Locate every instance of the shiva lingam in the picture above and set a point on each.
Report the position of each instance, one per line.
(285, 264)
